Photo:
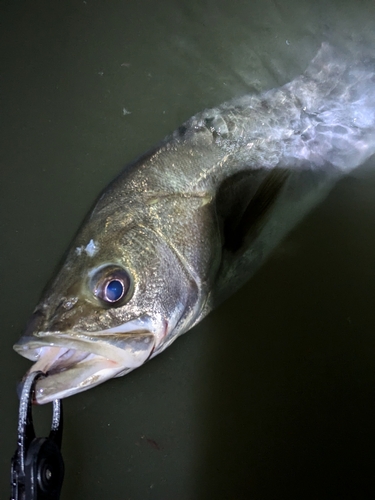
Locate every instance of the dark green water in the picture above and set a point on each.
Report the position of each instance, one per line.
(272, 396)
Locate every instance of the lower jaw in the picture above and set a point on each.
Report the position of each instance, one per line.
(74, 379)
(73, 370)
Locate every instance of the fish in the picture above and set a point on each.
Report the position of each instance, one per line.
(189, 222)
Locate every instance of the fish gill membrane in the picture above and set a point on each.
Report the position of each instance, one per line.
(185, 225)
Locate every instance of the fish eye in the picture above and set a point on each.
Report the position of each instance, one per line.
(114, 290)
(112, 285)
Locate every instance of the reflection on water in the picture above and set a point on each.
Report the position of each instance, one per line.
(272, 395)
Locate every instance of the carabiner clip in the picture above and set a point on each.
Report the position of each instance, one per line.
(37, 468)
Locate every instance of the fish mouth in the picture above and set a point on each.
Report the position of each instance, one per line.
(75, 362)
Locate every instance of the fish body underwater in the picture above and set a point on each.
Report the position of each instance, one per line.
(185, 225)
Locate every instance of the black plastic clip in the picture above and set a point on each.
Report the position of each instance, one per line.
(37, 469)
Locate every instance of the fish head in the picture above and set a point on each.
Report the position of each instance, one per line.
(121, 296)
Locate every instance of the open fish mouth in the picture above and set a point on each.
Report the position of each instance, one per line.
(75, 363)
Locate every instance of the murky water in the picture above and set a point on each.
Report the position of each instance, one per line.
(272, 396)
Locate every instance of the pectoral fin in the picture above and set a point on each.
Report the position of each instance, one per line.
(245, 221)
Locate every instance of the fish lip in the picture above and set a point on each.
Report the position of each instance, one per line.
(95, 357)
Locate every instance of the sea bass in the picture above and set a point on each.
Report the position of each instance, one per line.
(185, 225)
